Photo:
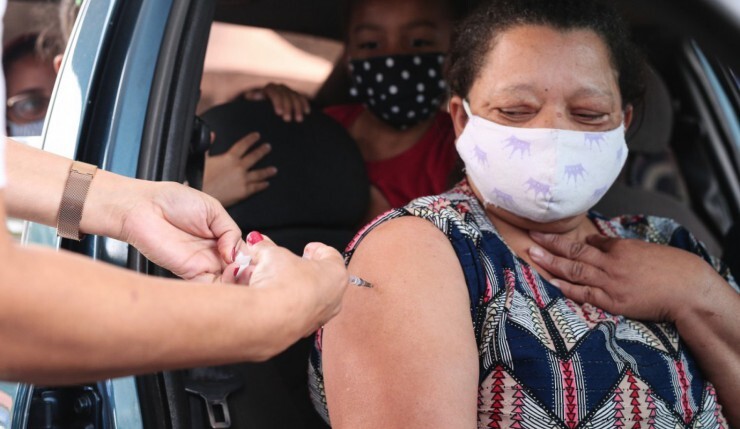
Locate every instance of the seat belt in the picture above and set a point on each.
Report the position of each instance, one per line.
(214, 385)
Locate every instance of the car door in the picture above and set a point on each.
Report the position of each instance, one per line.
(124, 100)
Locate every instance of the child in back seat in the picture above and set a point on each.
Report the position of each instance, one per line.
(395, 55)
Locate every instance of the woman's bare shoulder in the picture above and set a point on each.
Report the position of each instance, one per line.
(404, 255)
(404, 236)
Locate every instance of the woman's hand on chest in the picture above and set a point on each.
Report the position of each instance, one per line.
(633, 278)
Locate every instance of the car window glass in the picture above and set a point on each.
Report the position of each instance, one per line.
(8, 393)
(730, 116)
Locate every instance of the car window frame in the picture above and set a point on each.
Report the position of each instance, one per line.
(164, 156)
(95, 115)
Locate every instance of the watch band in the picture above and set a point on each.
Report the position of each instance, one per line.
(73, 200)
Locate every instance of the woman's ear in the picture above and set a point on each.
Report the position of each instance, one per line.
(57, 63)
(459, 116)
(628, 115)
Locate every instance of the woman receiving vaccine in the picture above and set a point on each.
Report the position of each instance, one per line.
(506, 302)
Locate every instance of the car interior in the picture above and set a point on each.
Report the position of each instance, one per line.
(675, 170)
(684, 164)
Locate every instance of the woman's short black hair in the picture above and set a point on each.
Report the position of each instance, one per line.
(475, 36)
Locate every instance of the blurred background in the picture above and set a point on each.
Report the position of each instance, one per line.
(239, 57)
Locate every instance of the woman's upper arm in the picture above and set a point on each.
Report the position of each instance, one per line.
(403, 354)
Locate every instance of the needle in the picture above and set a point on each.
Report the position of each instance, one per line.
(354, 280)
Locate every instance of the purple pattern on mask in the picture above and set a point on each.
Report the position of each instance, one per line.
(518, 145)
(480, 155)
(599, 193)
(538, 188)
(575, 172)
(503, 199)
(620, 153)
(594, 139)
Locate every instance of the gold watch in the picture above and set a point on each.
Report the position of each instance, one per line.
(73, 200)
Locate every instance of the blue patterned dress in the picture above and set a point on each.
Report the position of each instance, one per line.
(548, 362)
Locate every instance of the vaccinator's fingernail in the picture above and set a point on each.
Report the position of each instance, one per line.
(233, 255)
(254, 237)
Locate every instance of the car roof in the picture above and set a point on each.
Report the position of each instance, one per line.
(715, 23)
(316, 17)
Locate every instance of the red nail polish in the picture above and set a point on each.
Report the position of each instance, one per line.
(236, 271)
(254, 237)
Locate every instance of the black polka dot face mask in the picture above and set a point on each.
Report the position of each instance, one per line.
(402, 90)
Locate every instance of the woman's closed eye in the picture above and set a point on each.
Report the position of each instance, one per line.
(590, 118)
(517, 114)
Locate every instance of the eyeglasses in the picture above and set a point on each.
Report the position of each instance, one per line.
(28, 106)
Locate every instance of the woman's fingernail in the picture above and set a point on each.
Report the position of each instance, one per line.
(254, 237)
(556, 283)
(536, 252)
(242, 259)
(236, 272)
(233, 255)
(535, 234)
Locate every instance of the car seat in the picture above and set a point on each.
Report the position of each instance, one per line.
(321, 193)
(649, 136)
(731, 255)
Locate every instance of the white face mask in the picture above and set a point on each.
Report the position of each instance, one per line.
(540, 174)
(26, 130)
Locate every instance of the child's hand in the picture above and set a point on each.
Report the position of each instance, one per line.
(288, 104)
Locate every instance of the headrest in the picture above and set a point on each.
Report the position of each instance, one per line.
(652, 123)
(321, 180)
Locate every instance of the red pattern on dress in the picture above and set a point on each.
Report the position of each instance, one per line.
(570, 391)
(651, 407)
(529, 277)
(497, 400)
(516, 413)
(684, 385)
(619, 415)
(635, 400)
